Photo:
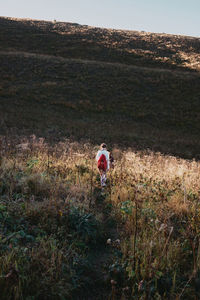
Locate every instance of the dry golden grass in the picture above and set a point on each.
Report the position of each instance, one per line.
(154, 198)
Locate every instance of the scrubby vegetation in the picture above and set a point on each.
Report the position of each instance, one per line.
(61, 238)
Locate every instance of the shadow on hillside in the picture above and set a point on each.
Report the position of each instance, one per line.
(139, 108)
(137, 139)
(82, 42)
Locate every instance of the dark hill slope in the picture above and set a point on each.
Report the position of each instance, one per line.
(124, 87)
(75, 41)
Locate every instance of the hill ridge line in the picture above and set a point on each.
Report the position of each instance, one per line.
(141, 32)
(86, 61)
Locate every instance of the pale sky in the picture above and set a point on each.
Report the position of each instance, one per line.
(168, 16)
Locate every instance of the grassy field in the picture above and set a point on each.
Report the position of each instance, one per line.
(61, 238)
(64, 89)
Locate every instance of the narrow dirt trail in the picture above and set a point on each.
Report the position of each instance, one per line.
(102, 256)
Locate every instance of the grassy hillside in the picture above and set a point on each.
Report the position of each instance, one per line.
(64, 88)
(83, 42)
(125, 87)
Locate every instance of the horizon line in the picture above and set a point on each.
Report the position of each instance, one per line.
(100, 27)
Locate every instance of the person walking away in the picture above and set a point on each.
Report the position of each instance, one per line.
(103, 163)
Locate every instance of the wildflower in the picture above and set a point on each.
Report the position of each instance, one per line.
(60, 213)
(109, 241)
(126, 288)
(162, 227)
(140, 285)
